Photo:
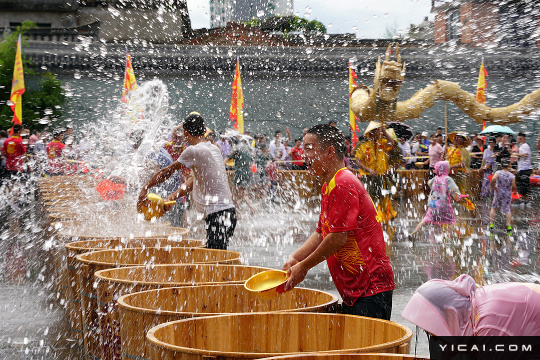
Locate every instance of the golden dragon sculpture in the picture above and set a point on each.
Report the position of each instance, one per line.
(380, 102)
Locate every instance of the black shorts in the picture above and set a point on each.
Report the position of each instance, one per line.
(10, 176)
(378, 306)
(522, 181)
(220, 228)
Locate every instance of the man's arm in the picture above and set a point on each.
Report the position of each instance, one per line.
(303, 252)
(183, 190)
(157, 179)
(328, 247)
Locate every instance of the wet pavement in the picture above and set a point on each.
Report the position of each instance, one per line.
(34, 324)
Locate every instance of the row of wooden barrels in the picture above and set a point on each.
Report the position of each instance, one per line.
(150, 292)
(299, 183)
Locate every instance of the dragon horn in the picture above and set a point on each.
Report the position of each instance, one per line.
(387, 55)
(403, 68)
(398, 55)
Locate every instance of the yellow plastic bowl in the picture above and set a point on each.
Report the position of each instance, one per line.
(267, 284)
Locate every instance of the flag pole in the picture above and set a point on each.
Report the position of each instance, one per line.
(445, 127)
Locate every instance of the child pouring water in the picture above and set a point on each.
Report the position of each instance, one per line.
(443, 188)
(503, 183)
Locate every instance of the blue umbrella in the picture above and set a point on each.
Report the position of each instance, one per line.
(498, 129)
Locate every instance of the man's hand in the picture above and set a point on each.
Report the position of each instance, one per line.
(289, 264)
(143, 199)
(296, 275)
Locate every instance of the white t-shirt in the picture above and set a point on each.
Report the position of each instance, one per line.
(415, 147)
(524, 163)
(273, 147)
(405, 151)
(211, 192)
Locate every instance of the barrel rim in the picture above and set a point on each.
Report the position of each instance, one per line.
(63, 232)
(81, 258)
(326, 356)
(239, 284)
(160, 344)
(73, 245)
(98, 274)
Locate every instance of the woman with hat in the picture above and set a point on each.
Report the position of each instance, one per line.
(459, 159)
(375, 157)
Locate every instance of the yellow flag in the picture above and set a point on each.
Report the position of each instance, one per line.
(17, 86)
(237, 101)
(481, 87)
(129, 82)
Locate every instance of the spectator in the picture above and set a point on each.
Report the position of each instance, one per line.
(3, 138)
(14, 151)
(477, 153)
(439, 131)
(211, 137)
(503, 152)
(461, 308)
(415, 147)
(435, 153)
(224, 145)
(55, 152)
(405, 152)
(488, 165)
(260, 179)
(514, 148)
(287, 156)
(271, 173)
(459, 159)
(503, 183)
(296, 154)
(155, 161)
(241, 154)
(277, 144)
(524, 168)
(332, 123)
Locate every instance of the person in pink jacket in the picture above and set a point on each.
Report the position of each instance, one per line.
(459, 308)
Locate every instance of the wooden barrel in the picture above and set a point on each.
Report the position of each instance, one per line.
(261, 335)
(139, 312)
(106, 259)
(316, 356)
(79, 247)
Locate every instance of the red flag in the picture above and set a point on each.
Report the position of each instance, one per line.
(237, 101)
(481, 87)
(352, 117)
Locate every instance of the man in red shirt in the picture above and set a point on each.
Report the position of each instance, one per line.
(296, 154)
(14, 150)
(55, 152)
(348, 236)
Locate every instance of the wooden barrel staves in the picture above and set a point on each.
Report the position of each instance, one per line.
(348, 357)
(92, 244)
(139, 312)
(261, 335)
(101, 313)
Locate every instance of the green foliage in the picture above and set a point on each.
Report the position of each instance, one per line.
(287, 24)
(43, 95)
(253, 22)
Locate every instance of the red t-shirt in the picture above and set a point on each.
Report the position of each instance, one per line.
(296, 154)
(15, 150)
(55, 151)
(361, 267)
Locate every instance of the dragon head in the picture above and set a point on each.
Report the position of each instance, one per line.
(389, 76)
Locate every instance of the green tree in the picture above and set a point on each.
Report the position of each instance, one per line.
(43, 96)
(287, 24)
